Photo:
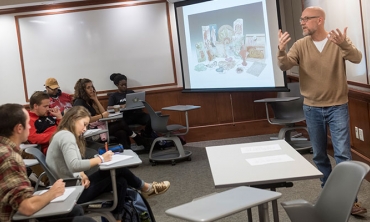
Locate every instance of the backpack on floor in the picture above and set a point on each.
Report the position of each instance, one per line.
(136, 208)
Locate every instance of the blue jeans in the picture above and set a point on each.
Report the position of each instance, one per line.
(317, 120)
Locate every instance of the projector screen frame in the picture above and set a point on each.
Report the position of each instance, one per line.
(280, 88)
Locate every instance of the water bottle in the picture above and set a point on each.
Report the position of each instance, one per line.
(144, 217)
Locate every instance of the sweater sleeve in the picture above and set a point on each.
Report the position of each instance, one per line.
(71, 153)
(287, 60)
(350, 52)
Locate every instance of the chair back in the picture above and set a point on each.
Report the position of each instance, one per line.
(42, 160)
(292, 109)
(159, 122)
(339, 193)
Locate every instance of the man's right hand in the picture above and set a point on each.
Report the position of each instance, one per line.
(284, 38)
(58, 188)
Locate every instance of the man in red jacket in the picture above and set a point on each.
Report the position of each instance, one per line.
(43, 120)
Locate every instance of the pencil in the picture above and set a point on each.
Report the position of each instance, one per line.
(106, 146)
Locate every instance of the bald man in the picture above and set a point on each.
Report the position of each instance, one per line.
(321, 56)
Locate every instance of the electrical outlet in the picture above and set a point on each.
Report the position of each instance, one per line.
(361, 134)
(356, 131)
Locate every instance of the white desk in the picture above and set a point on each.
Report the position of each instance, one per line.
(56, 208)
(93, 132)
(229, 167)
(24, 146)
(134, 161)
(219, 205)
(126, 109)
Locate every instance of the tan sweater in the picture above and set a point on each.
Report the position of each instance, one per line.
(322, 76)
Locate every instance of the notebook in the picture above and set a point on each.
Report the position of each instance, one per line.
(68, 191)
(133, 100)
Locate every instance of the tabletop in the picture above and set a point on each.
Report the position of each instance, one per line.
(54, 208)
(181, 107)
(258, 163)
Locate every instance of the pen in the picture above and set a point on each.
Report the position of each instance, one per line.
(106, 146)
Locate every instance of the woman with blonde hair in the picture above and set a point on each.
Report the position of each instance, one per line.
(64, 157)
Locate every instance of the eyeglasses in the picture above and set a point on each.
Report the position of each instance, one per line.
(305, 19)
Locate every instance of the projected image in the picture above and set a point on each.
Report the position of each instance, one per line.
(227, 44)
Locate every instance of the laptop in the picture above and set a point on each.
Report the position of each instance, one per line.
(133, 100)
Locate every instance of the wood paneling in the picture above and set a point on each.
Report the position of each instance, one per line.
(214, 120)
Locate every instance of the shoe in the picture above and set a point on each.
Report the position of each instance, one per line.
(157, 188)
(34, 178)
(357, 209)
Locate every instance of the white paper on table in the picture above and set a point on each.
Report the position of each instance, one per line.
(114, 114)
(260, 149)
(116, 158)
(68, 191)
(91, 131)
(269, 159)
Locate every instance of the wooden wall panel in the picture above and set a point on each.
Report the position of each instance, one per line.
(360, 118)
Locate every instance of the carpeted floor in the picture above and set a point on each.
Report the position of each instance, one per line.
(193, 179)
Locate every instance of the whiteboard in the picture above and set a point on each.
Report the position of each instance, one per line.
(96, 42)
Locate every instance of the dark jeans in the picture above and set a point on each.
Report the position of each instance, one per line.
(121, 131)
(101, 182)
(140, 118)
(75, 215)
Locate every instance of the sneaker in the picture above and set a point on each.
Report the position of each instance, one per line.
(357, 209)
(157, 188)
(33, 178)
(141, 141)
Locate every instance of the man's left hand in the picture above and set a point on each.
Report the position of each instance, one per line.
(337, 37)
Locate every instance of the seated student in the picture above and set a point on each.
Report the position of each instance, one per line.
(85, 95)
(43, 123)
(57, 97)
(16, 190)
(64, 159)
(136, 116)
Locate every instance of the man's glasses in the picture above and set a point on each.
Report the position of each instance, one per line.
(305, 19)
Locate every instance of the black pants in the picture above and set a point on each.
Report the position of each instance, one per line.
(122, 132)
(101, 182)
(140, 118)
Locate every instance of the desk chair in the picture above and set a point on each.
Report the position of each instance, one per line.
(288, 111)
(105, 197)
(336, 199)
(169, 132)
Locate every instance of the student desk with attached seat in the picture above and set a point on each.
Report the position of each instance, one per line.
(271, 164)
(54, 208)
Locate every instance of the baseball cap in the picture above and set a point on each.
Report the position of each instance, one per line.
(51, 83)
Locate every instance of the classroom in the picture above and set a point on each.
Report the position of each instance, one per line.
(149, 56)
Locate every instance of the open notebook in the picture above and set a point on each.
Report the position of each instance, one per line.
(117, 158)
(68, 191)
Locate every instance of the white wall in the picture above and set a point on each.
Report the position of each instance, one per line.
(11, 81)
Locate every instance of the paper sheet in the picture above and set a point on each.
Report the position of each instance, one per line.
(91, 131)
(116, 158)
(260, 149)
(68, 191)
(269, 159)
(114, 114)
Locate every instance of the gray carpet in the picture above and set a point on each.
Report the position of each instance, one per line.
(193, 179)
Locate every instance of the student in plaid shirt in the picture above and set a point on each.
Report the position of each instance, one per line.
(15, 188)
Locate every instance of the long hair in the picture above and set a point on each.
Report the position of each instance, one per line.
(69, 121)
(80, 92)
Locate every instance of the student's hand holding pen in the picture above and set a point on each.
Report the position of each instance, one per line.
(108, 156)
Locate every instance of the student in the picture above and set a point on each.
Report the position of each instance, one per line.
(64, 159)
(57, 97)
(136, 116)
(85, 95)
(44, 120)
(16, 190)
(321, 57)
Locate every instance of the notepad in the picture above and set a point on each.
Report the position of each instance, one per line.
(68, 191)
(114, 114)
(116, 158)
